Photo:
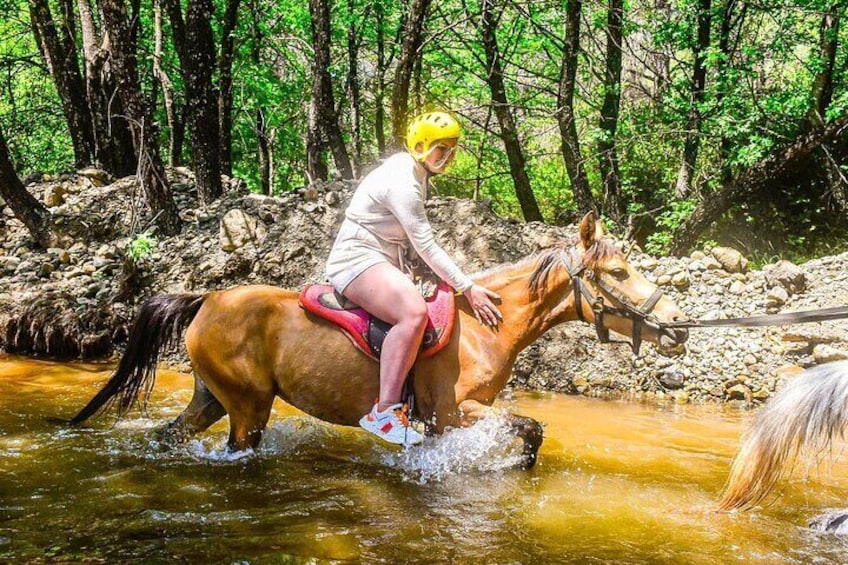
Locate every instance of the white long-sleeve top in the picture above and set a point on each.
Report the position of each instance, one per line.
(386, 217)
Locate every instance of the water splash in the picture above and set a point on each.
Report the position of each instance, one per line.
(487, 446)
(834, 521)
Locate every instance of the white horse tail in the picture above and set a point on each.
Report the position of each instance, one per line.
(803, 418)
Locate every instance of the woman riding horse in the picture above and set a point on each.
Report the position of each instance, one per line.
(385, 217)
(251, 344)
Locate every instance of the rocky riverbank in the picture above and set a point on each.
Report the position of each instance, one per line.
(78, 300)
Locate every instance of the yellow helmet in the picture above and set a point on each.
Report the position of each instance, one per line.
(429, 128)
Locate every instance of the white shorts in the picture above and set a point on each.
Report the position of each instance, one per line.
(355, 250)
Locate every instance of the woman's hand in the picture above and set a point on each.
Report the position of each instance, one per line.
(481, 303)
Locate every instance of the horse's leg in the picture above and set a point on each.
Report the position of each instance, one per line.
(248, 419)
(527, 429)
(203, 411)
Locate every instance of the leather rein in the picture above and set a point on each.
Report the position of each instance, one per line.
(639, 314)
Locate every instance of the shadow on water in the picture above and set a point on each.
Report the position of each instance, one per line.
(615, 483)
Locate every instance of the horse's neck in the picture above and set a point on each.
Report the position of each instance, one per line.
(527, 314)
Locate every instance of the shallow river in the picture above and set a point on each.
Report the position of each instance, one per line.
(615, 483)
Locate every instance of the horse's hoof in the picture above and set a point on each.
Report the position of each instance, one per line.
(532, 434)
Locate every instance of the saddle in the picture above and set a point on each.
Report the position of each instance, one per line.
(368, 332)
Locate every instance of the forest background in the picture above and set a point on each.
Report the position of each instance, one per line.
(682, 121)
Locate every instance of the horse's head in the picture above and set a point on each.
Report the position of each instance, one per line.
(613, 295)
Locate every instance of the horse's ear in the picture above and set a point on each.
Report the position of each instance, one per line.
(591, 229)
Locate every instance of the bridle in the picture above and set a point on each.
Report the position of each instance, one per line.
(639, 314)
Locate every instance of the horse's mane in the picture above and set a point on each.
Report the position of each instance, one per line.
(550, 259)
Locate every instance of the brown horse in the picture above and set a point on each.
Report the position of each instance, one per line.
(251, 344)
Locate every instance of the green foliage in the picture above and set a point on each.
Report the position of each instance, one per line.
(757, 96)
(667, 221)
(141, 247)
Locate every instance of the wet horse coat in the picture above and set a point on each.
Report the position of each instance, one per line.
(251, 344)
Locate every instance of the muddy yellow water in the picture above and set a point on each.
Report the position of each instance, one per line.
(615, 483)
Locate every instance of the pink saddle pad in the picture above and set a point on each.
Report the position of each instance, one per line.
(366, 332)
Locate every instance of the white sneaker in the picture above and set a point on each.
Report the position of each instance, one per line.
(391, 425)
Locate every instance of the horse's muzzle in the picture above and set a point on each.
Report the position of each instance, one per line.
(672, 337)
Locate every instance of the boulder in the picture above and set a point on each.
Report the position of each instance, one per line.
(731, 260)
(777, 296)
(823, 353)
(54, 195)
(98, 177)
(238, 229)
(786, 275)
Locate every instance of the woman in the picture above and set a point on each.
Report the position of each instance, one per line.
(385, 218)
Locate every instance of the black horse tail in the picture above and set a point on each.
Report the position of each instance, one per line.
(159, 324)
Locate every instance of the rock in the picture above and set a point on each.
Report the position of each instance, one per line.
(740, 392)
(788, 371)
(712, 264)
(777, 296)
(45, 269)
(54, 195)
(810, 333)
(698, 256)
(648, 264)
(738, 287)
(681, 397)
(823, 353)
(761, 394)
(663, 280)
(332, 198)
(580, 383)
(63, 256)
(731, 260)
(238, 229)
(98, 177)
(310, 194)
(672, 380)
(680, 279)
(787, 275)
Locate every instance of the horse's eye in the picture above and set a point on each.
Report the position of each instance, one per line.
(619, 273)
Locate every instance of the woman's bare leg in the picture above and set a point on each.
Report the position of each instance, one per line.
(385, 292)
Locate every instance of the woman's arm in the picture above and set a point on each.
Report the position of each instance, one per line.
(407, 205)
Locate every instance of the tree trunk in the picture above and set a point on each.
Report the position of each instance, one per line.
(69, 28)
(26, 208)
(316, 159)
(263, 148)
(509, 134)
(225, 85)
(607, 154)
(66, 75)
(725, 30)
(322, 86)
(822, 91)
(758, 178)
(196, 50)
(683, 188)
(114, 149)
(167, 86)
(379, 95)
(413, 39)
(151, 171)
(179, 134)
(353, 87)
(822, 95)
(570, 143)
